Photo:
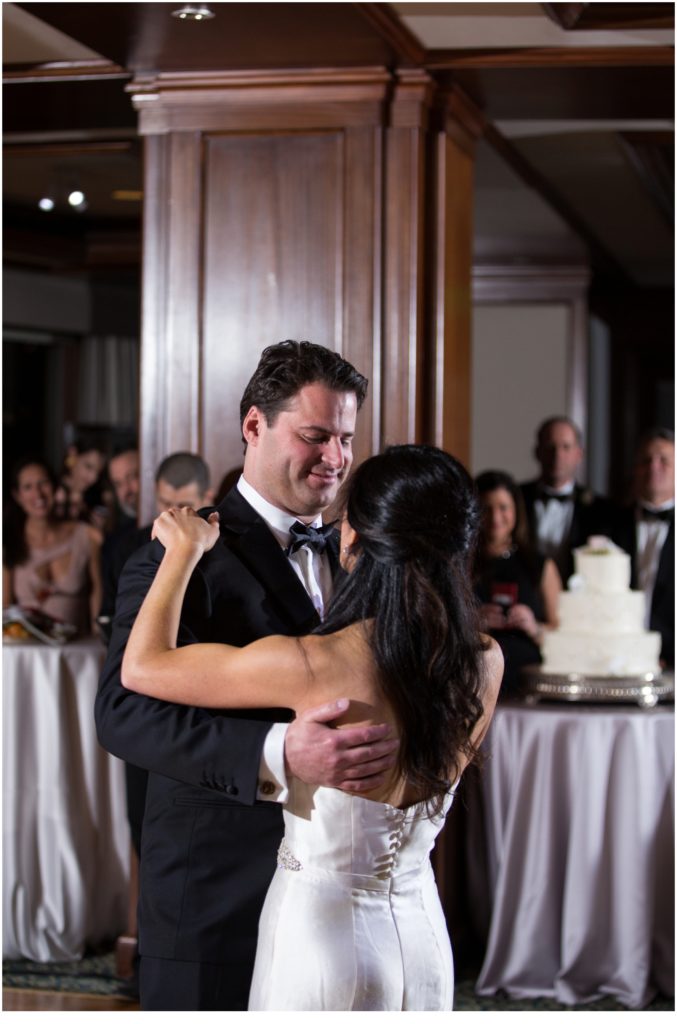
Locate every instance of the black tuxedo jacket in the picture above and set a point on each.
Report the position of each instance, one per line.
(208, 848)
(592, 515)
(662, 615)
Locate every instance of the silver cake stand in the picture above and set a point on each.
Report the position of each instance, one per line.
(645, 690)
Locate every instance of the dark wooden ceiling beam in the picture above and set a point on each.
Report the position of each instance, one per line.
(58, 71)
(394, 32)
(602, 260)
(586, 17)
(545, 57)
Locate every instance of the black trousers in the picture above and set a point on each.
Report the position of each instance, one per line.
(184, 985)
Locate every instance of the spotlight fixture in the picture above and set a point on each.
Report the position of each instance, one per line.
(46, 204)
(77, 198)
(193, 12)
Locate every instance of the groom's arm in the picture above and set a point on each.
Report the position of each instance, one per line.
(246, 759)
(192, 745)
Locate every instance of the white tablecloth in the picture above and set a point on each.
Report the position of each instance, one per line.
(65, 833)
(579, 823)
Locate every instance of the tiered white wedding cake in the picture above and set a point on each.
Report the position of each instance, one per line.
(601, 629)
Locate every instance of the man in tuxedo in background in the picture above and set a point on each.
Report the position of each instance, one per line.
(123, 473)
(646, 531)
(213, 820)
(561, 514)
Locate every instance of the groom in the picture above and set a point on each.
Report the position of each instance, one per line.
(213, 817)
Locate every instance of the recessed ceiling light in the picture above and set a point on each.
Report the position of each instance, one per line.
(193, 12)
(46, 203)
(76, 197)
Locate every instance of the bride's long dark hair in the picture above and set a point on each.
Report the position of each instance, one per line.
(416, 517)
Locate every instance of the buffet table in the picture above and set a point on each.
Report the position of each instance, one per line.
(578, 817)
(65, 834)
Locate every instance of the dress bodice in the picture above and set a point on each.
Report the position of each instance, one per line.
(352, 919)
(337, 833)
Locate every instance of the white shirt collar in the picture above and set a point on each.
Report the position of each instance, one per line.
(278, 521)
(567, 489)
(658, 508)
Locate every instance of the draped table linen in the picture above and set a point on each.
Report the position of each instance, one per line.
(65, 833)
(579, 831)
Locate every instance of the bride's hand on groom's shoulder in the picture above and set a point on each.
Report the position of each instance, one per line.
(183, 528)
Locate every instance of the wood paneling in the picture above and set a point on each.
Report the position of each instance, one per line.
(449, 415)
(402, 381)
(295, 205)
(273, 264)
(170, 352)
(264, 222)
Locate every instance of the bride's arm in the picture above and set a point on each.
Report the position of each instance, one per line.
(272, 672)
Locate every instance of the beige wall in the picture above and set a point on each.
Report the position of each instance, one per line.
(521, 365)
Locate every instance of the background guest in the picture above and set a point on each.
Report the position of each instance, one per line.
(123, 473)
(561, 514)
(182, 480)
(646, 530)
(78, 493)
(517, 587)
(49, 564)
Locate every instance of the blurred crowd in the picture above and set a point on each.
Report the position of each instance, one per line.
(67, 535)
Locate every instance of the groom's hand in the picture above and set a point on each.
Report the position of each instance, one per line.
(355, 758)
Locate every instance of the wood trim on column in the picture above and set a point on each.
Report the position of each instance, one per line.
(170, 362)
(259, 101)
(449, 415)
(402, 381)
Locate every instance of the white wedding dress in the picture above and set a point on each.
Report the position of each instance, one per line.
(352, 919)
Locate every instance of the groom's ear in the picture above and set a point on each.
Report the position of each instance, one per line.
(251, 426)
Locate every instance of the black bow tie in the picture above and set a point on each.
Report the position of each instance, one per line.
(651, 514)
(563, 498)
(309, 536)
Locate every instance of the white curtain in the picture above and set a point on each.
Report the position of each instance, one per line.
(108, 384)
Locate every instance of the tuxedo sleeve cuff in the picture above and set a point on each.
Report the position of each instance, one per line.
(272, 780)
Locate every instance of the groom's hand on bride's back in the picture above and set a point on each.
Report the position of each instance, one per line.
(355, 758)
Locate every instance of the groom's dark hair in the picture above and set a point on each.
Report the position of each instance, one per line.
(287, 367)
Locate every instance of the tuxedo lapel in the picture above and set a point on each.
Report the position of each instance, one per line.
(248, 538)
(666, 562)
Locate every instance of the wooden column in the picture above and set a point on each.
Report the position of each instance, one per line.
(263, 221)
(403, 369)
(312, 205)
(458, 125)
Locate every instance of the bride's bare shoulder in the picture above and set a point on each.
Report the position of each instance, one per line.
(492, 665)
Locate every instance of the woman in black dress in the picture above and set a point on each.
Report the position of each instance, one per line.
(518, 589)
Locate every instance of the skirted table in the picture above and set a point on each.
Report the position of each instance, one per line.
(65, 833)
(577, 870)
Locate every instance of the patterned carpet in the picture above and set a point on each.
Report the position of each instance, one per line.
(95, 975)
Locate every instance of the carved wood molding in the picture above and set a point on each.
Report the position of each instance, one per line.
(412, 96)
(459, 117)
(223, 101)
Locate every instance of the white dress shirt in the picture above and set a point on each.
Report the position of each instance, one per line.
(650, 538)
(314, 572)
(553, 519)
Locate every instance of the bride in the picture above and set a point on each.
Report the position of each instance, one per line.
(352, 919)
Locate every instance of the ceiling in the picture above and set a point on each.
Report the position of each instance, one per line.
(577, 163)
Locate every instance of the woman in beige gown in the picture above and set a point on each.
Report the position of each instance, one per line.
(49, 565)
(352, 919)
